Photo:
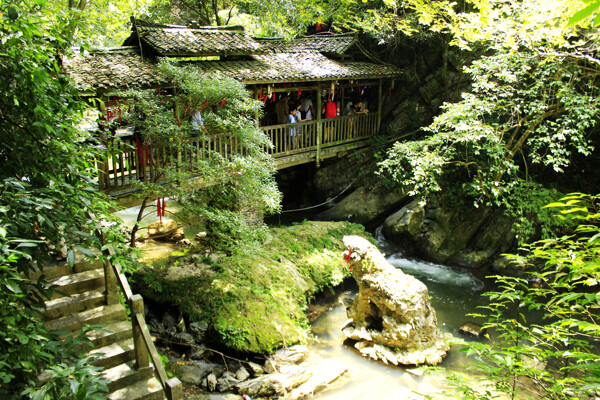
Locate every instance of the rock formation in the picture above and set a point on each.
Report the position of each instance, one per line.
(392, 319)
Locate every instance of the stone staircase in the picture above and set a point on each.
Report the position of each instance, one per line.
(80, 299)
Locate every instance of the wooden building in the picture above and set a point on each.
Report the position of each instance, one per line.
(321, 67)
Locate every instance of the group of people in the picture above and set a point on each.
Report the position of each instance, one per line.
(302, 110)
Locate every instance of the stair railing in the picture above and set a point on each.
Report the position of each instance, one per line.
(143, 344)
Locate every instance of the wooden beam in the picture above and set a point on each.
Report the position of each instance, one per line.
(319, 125)
(379, 105)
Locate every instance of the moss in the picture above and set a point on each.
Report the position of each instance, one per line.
(255, 300)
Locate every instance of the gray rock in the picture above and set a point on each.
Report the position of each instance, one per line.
(198, 329)
(211, 382)
(226, 381)
(472, 329)
(364, 205)
(184, 243)
(225, 396)
(242, 374)
(195, 374)
(256, 369)
(169, 321)
(263, 386)
(184, 338)
(197, 352)
(392, 317)
(465, 236)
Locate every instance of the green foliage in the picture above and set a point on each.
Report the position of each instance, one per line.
(219, 193)
(255, 299)
(78, 380)
(544, 323)
(45, 186)
(524, 109)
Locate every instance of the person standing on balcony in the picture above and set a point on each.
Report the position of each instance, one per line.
(330, 110)
(306, 108)
(198, 123)
(293, 132)
(282, 108)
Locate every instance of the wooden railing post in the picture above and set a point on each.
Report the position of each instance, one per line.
(141, 352)
(319, 124)
(174, 389)
(110, 284)
(379, 105)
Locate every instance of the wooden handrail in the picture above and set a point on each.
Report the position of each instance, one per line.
(125, 163)
(144, 346)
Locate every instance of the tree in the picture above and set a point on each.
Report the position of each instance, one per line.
(45, 186)
(545, 322)
(220, 192)
(532, 102)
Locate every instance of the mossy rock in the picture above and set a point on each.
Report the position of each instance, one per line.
(255, 300)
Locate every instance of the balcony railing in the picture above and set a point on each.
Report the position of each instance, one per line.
(127, 161)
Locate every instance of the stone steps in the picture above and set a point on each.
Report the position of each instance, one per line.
(124, 375)
(79, 300)
(64, 306)
(77, 282)
(147, 389)
(99, 315)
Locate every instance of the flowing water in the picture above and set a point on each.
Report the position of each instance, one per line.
(454, 293)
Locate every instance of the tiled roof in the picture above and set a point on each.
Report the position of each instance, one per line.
(118, 68)
(330, 43)
(296, 67)
(177, 40)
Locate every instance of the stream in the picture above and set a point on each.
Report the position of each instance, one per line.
(454, 293)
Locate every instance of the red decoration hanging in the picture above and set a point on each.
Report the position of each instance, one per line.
(348, 256)
(120, 115)
(140, 151)
(299, 91)
(223, 102)
(205, 104)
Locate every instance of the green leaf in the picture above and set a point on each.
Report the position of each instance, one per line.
(70, 257)
(584, 13)
(86, 252)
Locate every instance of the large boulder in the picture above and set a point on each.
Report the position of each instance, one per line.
(167, 230)
(443, 233)
(392, 319)
(365, 205)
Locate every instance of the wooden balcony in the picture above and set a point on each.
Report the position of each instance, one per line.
(293, 144)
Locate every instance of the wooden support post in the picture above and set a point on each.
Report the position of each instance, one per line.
(141, 351)
(379, 105)
(110, 284)
(174, 389)
(319, 125)
(255, 96)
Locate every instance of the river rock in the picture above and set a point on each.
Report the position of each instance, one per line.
(195, 373)
(392, 319)
(472, 329)
(184, 338)
(167, 230)
(242, 374)
(198, 330)
(322, 375)
(256, 368)
(225, 396)
(364, 205)
(211, 382)
(450, 234)
(276, 384)
(226, 381)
